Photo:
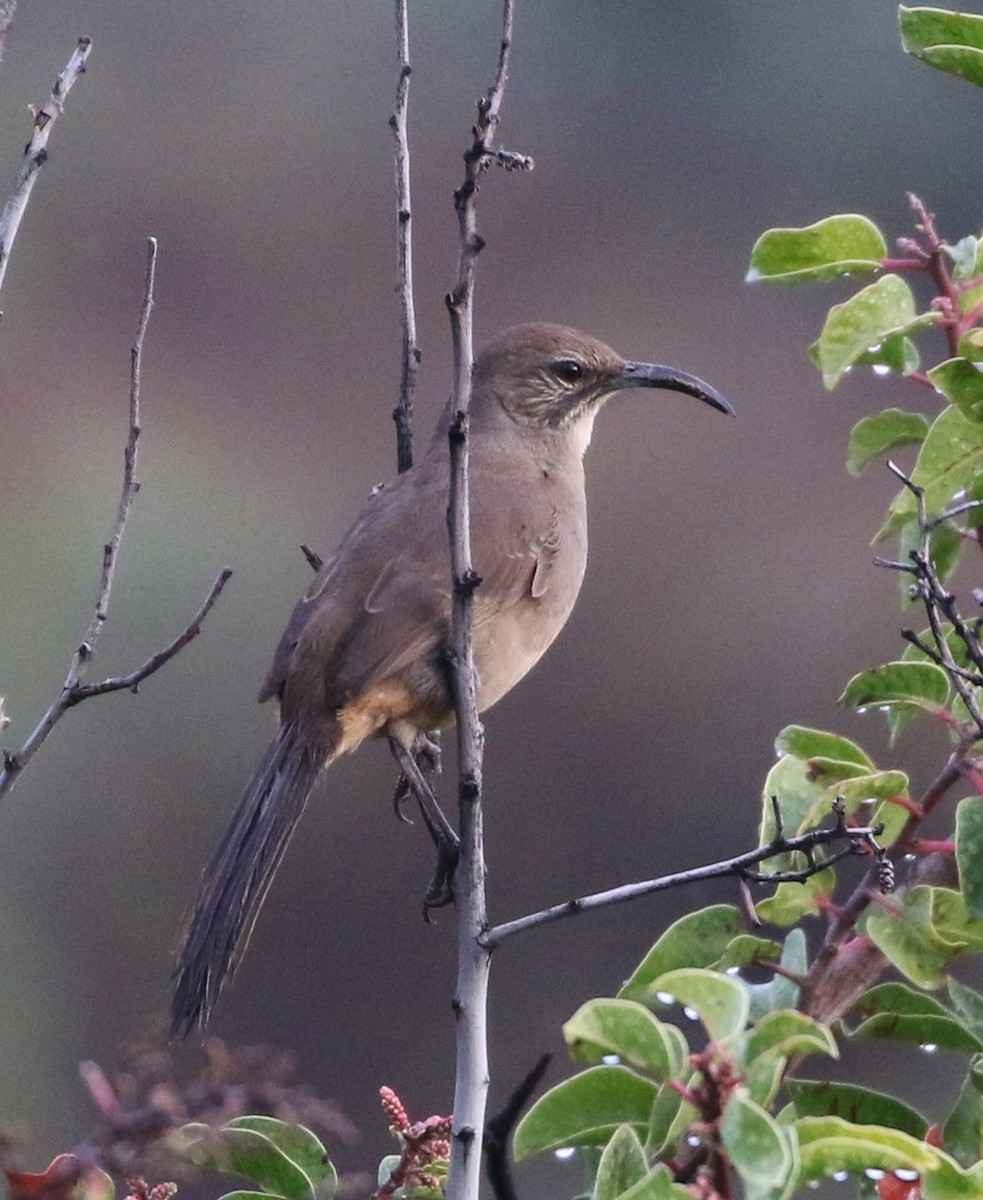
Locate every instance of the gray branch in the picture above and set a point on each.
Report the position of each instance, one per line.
(36, 153)
(74, 690)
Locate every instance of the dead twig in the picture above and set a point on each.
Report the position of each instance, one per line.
(862, 841)
(74, 690)
(36, 153)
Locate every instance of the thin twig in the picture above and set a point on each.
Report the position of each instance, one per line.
(403, 412)
(36, 154)
(7, 10)
(499, 1130)
(738, 866)
(73, 690)
(470, 1005)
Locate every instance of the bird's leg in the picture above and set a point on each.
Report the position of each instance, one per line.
(426, 752)
(441, 890)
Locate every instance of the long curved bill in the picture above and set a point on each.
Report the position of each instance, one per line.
(638, 374)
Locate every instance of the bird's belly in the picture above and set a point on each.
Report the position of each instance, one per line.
(510, 645)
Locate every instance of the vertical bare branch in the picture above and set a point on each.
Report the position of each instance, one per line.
(7, 10)
(36, 154)
(471, 1084)
(403, 412)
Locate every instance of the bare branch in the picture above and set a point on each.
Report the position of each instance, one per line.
(119, 683)
(403, 412)
(73, 690)
(7, 10)
(860, 839)
(471, 1084)
(36, 154)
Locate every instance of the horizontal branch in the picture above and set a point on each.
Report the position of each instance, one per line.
(862, 839)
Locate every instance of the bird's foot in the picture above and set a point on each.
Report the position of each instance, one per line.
(440, 891)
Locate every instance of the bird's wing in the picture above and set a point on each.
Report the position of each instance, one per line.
(368, 615)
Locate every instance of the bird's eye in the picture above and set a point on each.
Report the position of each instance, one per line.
(567, 370)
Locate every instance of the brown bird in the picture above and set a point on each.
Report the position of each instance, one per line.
(365, 651)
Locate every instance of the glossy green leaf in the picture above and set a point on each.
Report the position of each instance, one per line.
(965, 255)
(886, 431)
(846, 244)
(658, 1184)
(626, 1028)
(792, 901)
(664, 1111)
(948, 463)
(622, 1165)
(746, 950)
(949, 41)
(788, 1033)
(962, 1133)
(931, 926)
(858, 1105)
(585, 1111)
(922, 684)
(969, 852)
(961, 382)
(830, 1144)
(757, 1146)
(721, 1001)
(897, 352)
(882, 309)
(303, 1148)
(763, 1078)
(696, 940)
(781, 991)
(971, 345)
(805, 743)
(969, 1004)
(239, 1149)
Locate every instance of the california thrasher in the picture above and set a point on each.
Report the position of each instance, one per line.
(364, 654)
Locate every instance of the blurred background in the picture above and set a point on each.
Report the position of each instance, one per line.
(730, 589)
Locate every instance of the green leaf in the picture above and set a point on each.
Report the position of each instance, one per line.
(840, 245)
(829, 1144)
(897, 353)
(788, 1033)
(878, 311)
(239, 1149)
(664, 1111)
(721, 1001)
(886, 431)
(961, 382)
(696, 940)
(921, 684)
(969, 1004)
(628, 1029)
(658, 1184)
(303, 1148)
(805, 743)
(746, 950)
(965, 257)
(622, 1164)
(962, 1134)
(969, 852)
(931, 927)
(756, 1144)
(971, 345)
(781, 991)
(793, 901)
(949, 41)
(858, 1105)
(585, 1111)
(950, 459)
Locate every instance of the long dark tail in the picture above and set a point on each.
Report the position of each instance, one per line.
(234, 884)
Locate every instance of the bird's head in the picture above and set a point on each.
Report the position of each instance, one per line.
(552, 377)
